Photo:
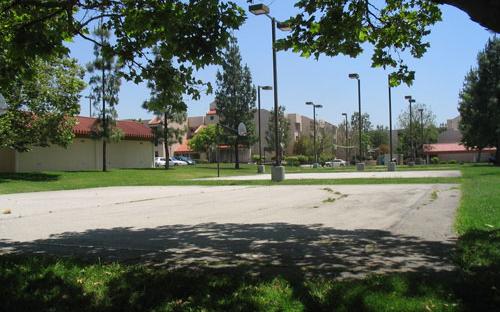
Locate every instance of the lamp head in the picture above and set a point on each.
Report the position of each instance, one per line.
(309, 103)
(408, 97)
(318, 106)
(259, 9)
(284, 26)
(266, 87)
(421, 110)
(344, 114)
(354, 76)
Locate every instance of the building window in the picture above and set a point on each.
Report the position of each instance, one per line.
(212, 118)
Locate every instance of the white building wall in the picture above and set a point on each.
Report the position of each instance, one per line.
(86, 154)
(130, 154)
(80, 155)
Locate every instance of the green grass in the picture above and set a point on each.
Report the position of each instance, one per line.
(44, 283)
(480, 206)
(51, 181)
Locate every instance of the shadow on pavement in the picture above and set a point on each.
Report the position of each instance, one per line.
(308, 248)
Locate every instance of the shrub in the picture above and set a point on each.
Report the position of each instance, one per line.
(302, 159)
(292, 160)
(452, 162)
(255, 158)
(442, 162)
(434, 160)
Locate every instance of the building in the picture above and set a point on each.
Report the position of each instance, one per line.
(135, 150)
(448, 146)
(192, 125)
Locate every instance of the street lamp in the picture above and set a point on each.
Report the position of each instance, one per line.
(360, 119)
(260, 167)
(421, 110)
(346, 139)
(390, 117)
(90, 97)
(412, 150)
(314, 106)
(278, 173)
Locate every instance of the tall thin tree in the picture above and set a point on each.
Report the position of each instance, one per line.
(105, 85)
(235, 98)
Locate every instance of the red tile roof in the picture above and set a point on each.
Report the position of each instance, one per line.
(155, 121)
(448, 148)
(183, 148)
(212, 112)
(131, 129)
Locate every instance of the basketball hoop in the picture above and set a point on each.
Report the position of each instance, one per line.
(242, 129)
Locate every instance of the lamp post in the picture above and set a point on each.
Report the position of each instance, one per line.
(421, 110)
(260, 167)
(278, 173)
(314, 106)
(390, 117)
(90, 104)
(360, 118)
(346, 139)
(412, 150)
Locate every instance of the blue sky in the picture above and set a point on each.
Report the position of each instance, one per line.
(455, 43)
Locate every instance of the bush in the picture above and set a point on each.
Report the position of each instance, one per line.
(452, 162)
(255, 158)
(292, 160)
(434, 160)
(442, 162)
(302, 159)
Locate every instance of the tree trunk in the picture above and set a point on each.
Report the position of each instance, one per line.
(236, 156)
(165, 140)
(497, 156)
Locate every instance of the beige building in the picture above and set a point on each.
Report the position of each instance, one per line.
(448, 146)
(192, 126)
(135, 150)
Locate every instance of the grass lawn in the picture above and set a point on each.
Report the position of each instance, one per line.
(49, 181)
(42, 283)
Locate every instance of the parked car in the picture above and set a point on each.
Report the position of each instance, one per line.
(187, 159)
(336, 163)
(160, 162)
(178, 162)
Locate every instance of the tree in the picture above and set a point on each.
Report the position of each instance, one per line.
(479, 104)
(205, 139)
(418, 136)
(166, 101)
(366, 127)
(235, 99)
(325, 142)
(41, 106)
(193, 33)
(379, 136)
(303, 146)
(105, 85)
(395, 28)
(283, 133)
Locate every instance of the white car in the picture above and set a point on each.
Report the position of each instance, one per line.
(177, 162)
(336, 163)
(160, 162)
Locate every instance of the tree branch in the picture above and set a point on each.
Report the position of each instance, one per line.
(484, 12)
